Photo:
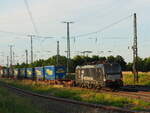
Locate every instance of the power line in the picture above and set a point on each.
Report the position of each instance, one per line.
(31, 17)
(81, 35)
(13, 33)
(104, 28)
(23, 34)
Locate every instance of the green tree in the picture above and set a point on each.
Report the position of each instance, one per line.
(140, 64)
(95, 58)
(129, 66)
(146, 62)
(111, 59)
(120, 60)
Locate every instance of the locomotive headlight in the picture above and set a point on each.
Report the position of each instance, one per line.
(104, 79)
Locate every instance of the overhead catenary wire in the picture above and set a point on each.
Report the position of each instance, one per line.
(104, 28)
(26, 35)
(31, 17)
(73, 37)
(13, 33)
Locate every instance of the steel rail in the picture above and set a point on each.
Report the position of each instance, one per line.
(107, 108)
(137, 95)
(133, 95)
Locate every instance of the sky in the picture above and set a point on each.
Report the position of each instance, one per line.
(88, 16)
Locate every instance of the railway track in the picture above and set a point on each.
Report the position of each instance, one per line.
(136, 95)
(131, 93)
(136, 92)
(136, 88)
(108, 109)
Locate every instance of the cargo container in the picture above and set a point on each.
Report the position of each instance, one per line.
(1, 72)
(30, 73)
(23, 73)
(6, 72)
(16, 73)
(60, 72)
(11, 72)
(54, 72)
(39, 73)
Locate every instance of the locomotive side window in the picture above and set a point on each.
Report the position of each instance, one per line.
(87, 72)
(93, 72)
(99, 74)
(78, 73)
(113, 69)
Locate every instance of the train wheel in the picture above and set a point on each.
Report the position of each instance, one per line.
(98, 87)
(90, 86)
(74, 84)
(81, 85)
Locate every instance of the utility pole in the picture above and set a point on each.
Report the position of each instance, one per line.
(68, 45)
(135, 50)
(31, 40)
(11, 55)
(31, 49)
(26, 56)
(57, 53)
(7, 61)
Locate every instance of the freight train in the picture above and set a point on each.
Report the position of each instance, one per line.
(90, 76)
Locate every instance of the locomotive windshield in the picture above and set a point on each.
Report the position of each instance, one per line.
(112, 68)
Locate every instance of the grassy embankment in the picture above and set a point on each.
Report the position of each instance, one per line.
(144, 78)
(81, 95)
(11, 103)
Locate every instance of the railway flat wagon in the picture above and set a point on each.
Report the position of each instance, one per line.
(54, 72)
(30, 73)
(39, 73)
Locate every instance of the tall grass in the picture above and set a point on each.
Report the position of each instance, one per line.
(144, 78)
(84, 95)
(11, 103)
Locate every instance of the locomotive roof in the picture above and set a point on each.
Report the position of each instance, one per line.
(99, 65)
(86, 66)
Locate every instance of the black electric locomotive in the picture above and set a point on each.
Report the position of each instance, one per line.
(100, 75)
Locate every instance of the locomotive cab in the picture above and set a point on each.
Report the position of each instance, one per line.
(113, 75)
